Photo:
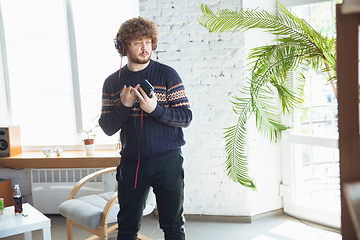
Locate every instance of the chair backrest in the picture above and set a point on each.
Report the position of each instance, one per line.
(150, 203)
(352, 197)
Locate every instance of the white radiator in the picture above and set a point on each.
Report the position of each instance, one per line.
(51, 187)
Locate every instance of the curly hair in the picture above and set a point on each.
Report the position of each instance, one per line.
(135, 28)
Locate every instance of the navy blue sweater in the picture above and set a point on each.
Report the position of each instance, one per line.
(162, 134)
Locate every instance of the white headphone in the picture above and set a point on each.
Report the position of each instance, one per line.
(48, 151)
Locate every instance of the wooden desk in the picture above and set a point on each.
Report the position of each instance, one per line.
(67, 159)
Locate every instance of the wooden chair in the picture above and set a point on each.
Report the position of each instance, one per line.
(91, 213)
(352, 198)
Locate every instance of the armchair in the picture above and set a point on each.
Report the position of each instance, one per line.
(93, 213)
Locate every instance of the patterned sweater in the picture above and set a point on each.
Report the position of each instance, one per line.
(161, 134)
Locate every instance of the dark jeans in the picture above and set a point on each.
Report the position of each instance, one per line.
(167, 179)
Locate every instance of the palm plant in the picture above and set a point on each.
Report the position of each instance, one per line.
(276, 75)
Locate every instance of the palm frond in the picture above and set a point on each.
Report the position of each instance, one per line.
(274, 65)
(245, 19)
(235, 140)
(291, 91)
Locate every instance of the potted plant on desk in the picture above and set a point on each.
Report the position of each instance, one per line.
(2, 206)
(89, 140)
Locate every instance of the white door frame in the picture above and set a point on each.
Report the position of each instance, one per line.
(288, 186)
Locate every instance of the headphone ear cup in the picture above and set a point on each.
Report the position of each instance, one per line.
(120, 48)
(154, 47)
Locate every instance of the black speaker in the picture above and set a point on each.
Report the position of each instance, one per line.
(10, 143)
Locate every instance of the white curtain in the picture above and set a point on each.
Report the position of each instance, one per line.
(5, 118)
(5, 115)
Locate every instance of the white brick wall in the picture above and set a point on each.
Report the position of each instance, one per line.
(213, 66)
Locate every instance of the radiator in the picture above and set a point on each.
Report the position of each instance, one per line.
(51, 187)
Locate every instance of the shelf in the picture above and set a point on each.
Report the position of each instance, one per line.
(67, 159)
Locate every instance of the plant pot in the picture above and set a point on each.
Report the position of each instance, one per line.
(89, 146)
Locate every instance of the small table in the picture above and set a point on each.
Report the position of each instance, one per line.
(12, 224)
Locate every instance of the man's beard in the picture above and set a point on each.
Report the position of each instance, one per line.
(138, 59)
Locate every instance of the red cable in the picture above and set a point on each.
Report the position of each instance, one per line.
(141, 127)
(120, 70)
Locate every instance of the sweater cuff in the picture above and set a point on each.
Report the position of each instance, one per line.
(158, 112)
(122, 108)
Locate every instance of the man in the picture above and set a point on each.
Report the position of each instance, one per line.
(150, 131)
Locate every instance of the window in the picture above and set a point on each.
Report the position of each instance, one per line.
(316, 168)
(318, 115)
(58, 53)
(311, 155)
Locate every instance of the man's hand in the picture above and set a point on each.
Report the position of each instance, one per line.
(128, 95)
(147, 104)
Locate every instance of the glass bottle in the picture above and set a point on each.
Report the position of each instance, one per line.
(17, 199)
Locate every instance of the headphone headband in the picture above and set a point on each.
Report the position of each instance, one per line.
(122, 51)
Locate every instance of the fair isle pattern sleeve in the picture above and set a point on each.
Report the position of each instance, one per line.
(177, 96)
(109, 102)
(173, 107)
(113, 113)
